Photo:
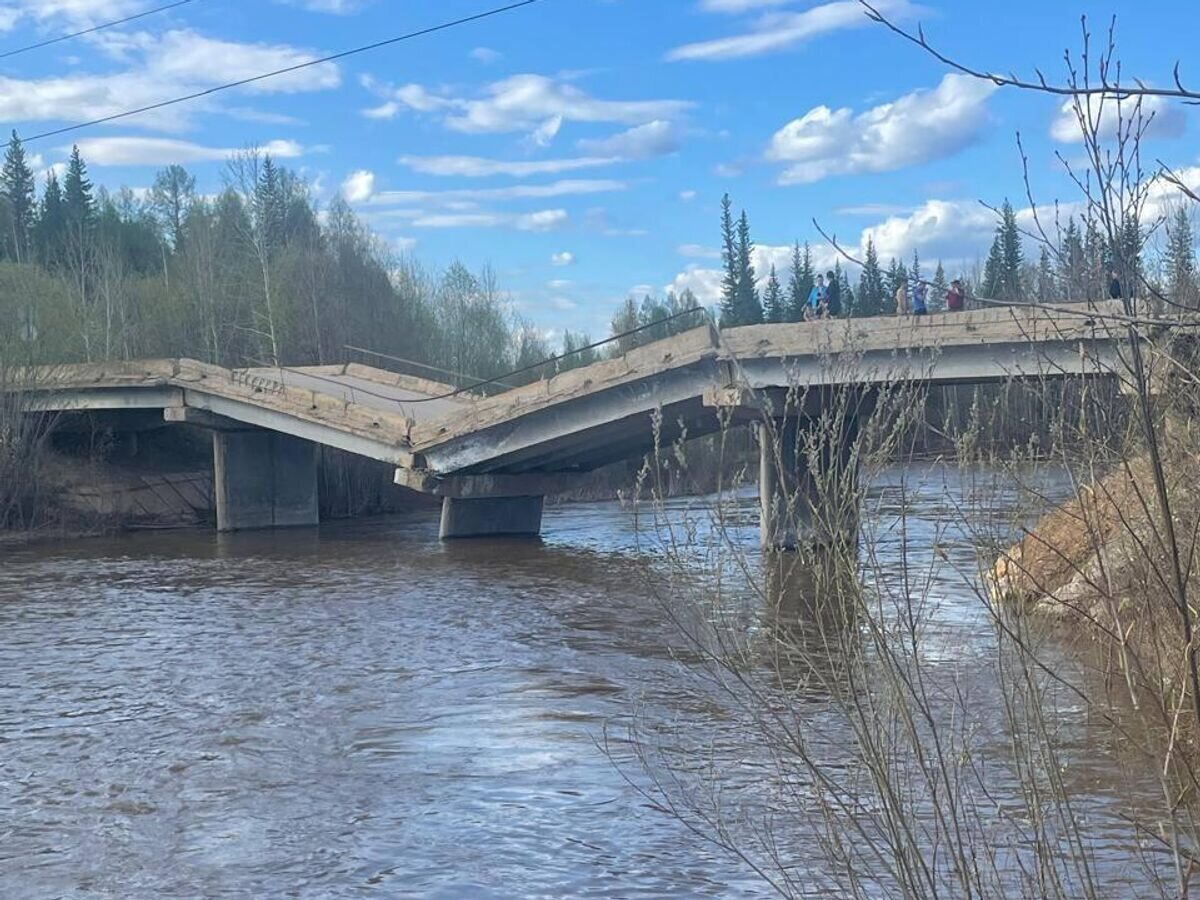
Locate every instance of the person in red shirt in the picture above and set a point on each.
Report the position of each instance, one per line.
(955, 296)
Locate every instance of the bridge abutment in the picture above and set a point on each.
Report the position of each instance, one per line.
(808, 482)
(491, 517)
(264, 479)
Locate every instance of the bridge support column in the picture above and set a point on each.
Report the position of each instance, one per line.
(807, 484)
(263, 479)
(491, 517)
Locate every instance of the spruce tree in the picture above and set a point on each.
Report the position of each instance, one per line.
(729, 256)
(749, 309)
(937, 293)
(19, 191)
(847, 293)
(1072, 267)
(774, 306)
(51, 229)
(801, 283)
(872, 291)
(915, 272)
(1013, 257)
(79, 206)
(1183, 290)
(1046, 286)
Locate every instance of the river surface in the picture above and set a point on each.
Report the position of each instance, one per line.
(362, 711)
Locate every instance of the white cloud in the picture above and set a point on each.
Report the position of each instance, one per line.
(1163, 118)
(480, 167)
(337, 7)
(564, 188)
(542, 220)
(778, 31)
(656, 138)
(485, 55)
(704, 283)
(919, 127)
(526, 103)
(158, 66)
(405, 244)
(359, 186)
(740, 6)
(563, 259)
(696, 251)
(148, 151)
(687, 196)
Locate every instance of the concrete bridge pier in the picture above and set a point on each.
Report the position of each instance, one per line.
(491, 517)
(264, 479)
(807, 483)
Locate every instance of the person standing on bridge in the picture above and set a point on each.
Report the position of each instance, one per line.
(955, 296)
(1114, 286)
(833, 296)
(918, 298)
(902, 297)
(817, 299)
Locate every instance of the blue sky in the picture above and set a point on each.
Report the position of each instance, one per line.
(581, 147)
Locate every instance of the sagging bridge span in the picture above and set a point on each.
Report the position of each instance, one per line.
(493, 459)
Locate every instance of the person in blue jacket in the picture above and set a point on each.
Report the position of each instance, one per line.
(919, 293)
(817, 298)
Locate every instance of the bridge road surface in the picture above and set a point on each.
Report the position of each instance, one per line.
(375, 391)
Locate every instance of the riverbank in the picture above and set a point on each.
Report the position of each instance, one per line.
(1103, 565)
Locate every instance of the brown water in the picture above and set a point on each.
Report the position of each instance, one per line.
(363, 711)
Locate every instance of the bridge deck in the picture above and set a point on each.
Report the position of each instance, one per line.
(586, 417)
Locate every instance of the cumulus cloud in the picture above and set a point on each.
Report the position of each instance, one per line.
(780, 30)
(1165, 118)
(359, 186)
(147, 151)
(481, 167)
(159, 66)
(921, 126)
(563, 259)
(705, 282)
(527, 103)
(656, 138)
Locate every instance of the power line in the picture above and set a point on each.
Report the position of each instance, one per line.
(286, 70)
(93, 29)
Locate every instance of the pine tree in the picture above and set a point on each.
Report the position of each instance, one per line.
(801, 282)
(1096, 266)
(915, 272)
(729, 256)
(19, 190)
(773, 307)
(872, 292)
(270, 205)
(896, 273)
(79, 206)
(51, 229)
(749, 309)
(1183, 290)
(937, 293)
(1128, 258)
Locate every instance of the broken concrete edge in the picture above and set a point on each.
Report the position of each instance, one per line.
(680, 351)
(483, 487)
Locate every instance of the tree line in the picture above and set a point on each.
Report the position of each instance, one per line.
(1079, 268)
(254, 275)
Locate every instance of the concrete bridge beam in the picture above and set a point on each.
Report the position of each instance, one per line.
(264, 479)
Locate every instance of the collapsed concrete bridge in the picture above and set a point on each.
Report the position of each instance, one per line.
(493, 459)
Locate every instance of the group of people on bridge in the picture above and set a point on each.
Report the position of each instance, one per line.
(825, 298)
